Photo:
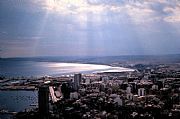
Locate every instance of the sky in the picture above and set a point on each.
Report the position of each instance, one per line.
(30, 28)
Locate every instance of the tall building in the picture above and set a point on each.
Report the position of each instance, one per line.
(65, 89)
(77, 81)
(43, 102)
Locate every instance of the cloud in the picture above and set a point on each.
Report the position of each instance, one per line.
(138, 10)
(173, 14)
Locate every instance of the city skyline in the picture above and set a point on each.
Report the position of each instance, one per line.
(89, 27)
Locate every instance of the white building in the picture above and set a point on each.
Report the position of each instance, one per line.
(74, 95)
(155, 87)
(129, 96)
(118, 100)
(141, 92)
(88, 81)
(128, 90)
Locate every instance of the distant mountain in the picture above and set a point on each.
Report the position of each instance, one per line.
(104, 59)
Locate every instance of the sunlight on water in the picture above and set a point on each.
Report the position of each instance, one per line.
(30, 68)
(77, 67)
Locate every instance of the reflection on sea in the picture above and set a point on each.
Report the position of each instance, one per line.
(32, 68)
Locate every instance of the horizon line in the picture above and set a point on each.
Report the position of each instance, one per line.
(88, 56)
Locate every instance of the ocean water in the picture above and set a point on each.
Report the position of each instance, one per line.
(17, 101)
(35, 68)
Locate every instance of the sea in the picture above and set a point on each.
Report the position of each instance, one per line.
(37, 68)
(16, 101)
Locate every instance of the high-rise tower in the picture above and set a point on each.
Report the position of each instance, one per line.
(43, 102)
(77, 81)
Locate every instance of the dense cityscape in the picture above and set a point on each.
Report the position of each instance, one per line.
(151, 91)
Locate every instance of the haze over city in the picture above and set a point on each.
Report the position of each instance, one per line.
(89, 27)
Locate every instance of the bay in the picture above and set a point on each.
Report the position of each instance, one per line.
(35, 68)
